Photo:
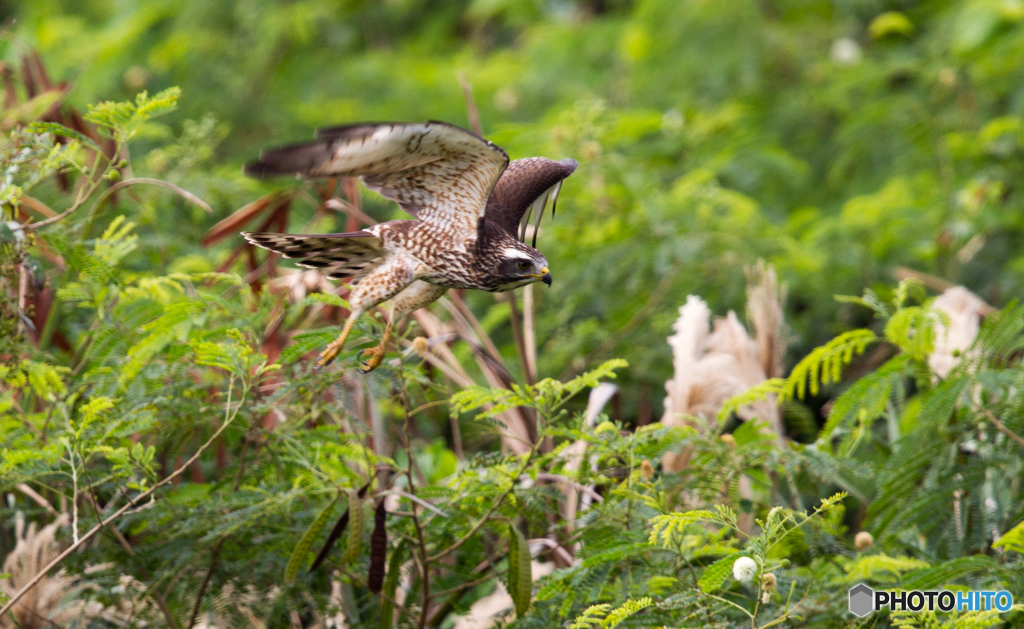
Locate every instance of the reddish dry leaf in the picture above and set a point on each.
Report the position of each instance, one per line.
(36, 62)
(226, 264)
(252, 265)
(240, 217)
(10, 94)
(28, 77)
(38, 206)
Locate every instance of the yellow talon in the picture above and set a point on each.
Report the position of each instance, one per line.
(375, 355)
(331, 351)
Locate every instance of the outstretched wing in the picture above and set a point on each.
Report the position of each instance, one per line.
(343, 255)
(523, 191)
(437, 172)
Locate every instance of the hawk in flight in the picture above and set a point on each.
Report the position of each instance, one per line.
(470, 208)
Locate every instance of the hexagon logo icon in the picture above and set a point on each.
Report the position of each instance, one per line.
(861, 600)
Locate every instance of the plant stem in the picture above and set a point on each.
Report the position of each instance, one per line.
(1002, 427)
(497, 503)
(131, 503)
(220, 543)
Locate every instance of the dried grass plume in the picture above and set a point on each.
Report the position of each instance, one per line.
(714, 363)
(963, 310)
(55, 600)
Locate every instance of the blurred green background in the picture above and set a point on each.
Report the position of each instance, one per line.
(837, 140)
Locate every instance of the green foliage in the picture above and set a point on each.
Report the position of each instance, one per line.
(520, 579)
(839, 144)
(1012, 540)
(824, 364)
(301, 549)
(954, 620)
(356, 524)
(599, 616)
(387, 603)
(881, 568)
(715, 575)
(547, 396)
(123, 120)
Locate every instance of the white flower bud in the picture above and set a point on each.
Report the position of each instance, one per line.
(744, 569)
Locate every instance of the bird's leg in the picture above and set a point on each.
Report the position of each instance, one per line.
(417, 295)
(335, 346)
(375, 355)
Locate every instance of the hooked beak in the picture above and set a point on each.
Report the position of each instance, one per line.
(546, 276)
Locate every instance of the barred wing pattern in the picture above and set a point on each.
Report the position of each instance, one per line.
(439, 173)
(349, 254)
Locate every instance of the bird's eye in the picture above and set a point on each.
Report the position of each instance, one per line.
(523, 265)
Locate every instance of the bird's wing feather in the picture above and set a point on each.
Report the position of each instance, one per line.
(437, 172)
(523, 191)
(342, 255)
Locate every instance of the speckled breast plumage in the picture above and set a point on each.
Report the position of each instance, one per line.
(445, 257)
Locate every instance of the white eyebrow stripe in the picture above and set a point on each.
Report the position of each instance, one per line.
(511, 252)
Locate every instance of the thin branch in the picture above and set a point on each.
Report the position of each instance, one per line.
(215, 555)
(416, 499)
(497, 503)
(185, 194)
(471, 110)
(728, 602)
(36, 498)
(562, 479)
(517, 335)
(363, 584)
(936, 283)
(555, 546)
(458, 589)
(161, 602)
(131, 503)
(456, 593)
(206, 581)
(529, 333)
(421, 542)
(82, 194)
(1002, 427)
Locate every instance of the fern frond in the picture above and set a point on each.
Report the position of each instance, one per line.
(626, 610)
(866, 398)
(824, 365)
(591, 617)
(882, 568)
(756, 393)
(664, 526)
(913, 330)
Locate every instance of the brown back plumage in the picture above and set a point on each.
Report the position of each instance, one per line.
(526, 184)
(438, 172)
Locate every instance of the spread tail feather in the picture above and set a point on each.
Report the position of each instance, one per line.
(339, 255)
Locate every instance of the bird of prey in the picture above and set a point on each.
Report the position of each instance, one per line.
(470, 208)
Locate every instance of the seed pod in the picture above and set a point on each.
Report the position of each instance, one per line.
(336, 533)
(354, 542)
(302, 548)
(378, 549)
(520, 578)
